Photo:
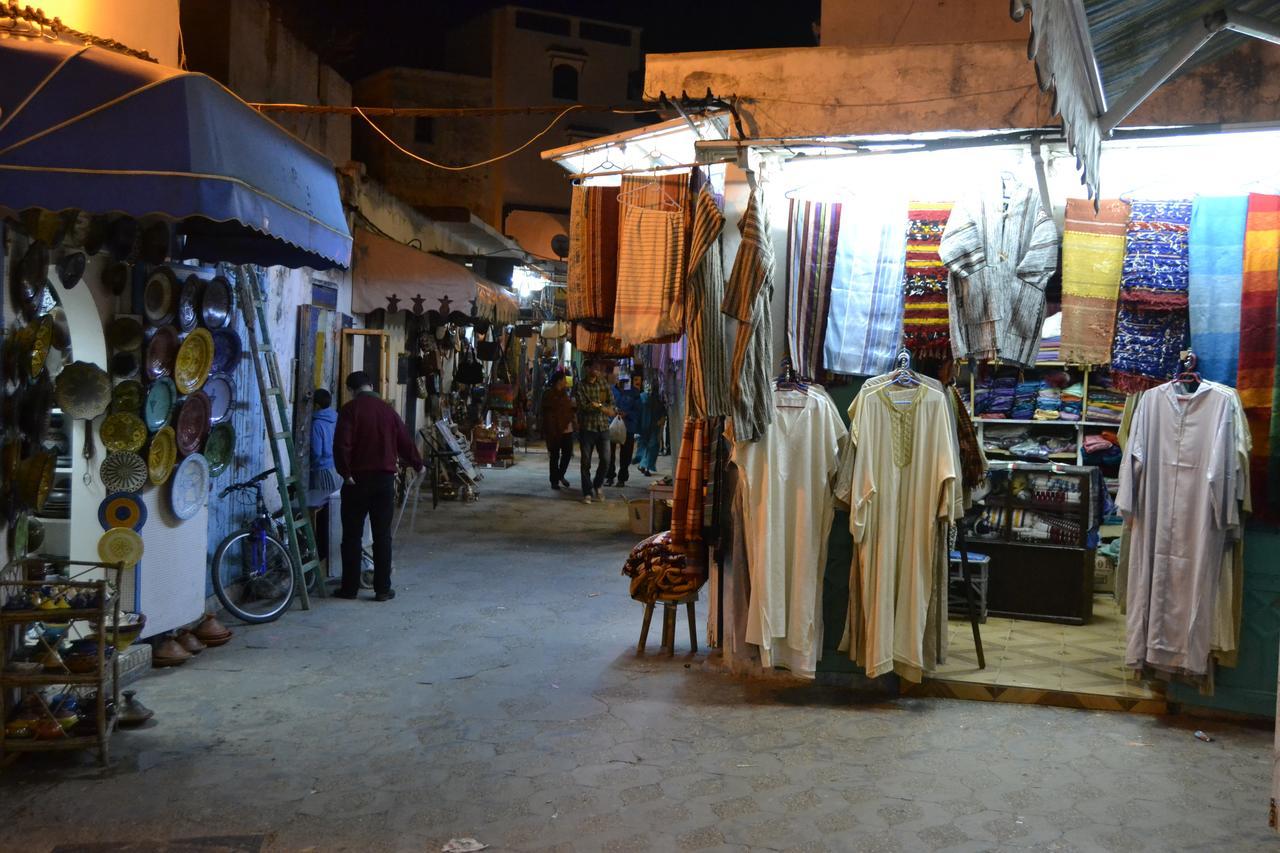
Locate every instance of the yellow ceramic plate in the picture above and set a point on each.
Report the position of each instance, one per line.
(123, 431)
(162, 455)
(40, 347)
(195, 358)
(120, 545)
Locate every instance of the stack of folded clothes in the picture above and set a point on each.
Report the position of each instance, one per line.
(1048, 403)
(1072, 402)
(1102, 450)
(1105, 405)
(995, 399)
(1024, 400)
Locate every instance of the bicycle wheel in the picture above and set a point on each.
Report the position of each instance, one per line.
(253, 576)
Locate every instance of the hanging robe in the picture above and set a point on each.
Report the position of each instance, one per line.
(785, 477)
(1177, 490)
(1002, 249)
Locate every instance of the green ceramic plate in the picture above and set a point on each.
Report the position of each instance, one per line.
(159, 405)
(126, 396)
(219, 447)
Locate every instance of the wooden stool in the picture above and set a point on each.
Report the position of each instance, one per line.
(669, 606)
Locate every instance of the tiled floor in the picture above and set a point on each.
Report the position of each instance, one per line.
(1048, 656)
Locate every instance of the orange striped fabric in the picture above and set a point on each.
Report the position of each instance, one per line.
(593, 255)
(652, 245)
(926, 322)
(1256, 375)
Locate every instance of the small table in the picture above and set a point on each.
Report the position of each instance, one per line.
(657, 492)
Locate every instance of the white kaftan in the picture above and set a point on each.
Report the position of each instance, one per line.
(785, 478)
(905, 483)
(1178, 490)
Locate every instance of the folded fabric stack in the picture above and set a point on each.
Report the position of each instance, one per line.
(1024, 400)
(659, 570)
(1048, 403)
(1105, 406)
(995, 399)
(1050, 349)
(1028, 525)
(1072, 402)
(1024, 445)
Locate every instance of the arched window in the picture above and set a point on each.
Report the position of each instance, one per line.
(564, 82)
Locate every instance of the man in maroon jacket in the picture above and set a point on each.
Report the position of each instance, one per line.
(370, 437)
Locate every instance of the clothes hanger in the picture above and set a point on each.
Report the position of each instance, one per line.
(788, 381)
(606, 166)
(904, 375)
(1188, 378)
(666, 202)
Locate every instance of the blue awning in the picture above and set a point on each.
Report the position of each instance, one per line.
(90, 129)
(1102, 58)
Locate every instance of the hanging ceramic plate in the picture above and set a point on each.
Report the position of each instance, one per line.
(159, 406)
(124, 333)
(161, 456)
(34, 407)
(122, 509)
(120, 545)
(153, 245)
(160, 297)
(127, 397)
(189, 303)
(116, 277)
(71, 269)
(123, 431)
(193, 423)
(31, 279)
(219, 448)
(226, 351)
(216, 303)
(40, 345)
(190, 487)
(123, 471)
(83, 390)
(32, 479)
(195, 358)
(123, 364)
(221, 390)
(162, 351)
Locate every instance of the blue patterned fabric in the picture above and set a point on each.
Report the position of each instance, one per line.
(1155, 253)
(1216, 253)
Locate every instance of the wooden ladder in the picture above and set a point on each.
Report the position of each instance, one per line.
(266, 367)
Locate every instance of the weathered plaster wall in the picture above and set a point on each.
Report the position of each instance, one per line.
(150, 25)
(860, 23)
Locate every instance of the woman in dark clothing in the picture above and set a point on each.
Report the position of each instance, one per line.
(558, 428)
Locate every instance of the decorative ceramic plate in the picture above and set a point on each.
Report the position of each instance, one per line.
(195, 357)
(127, 397)
(226, 351)
(123, 471)
(123, 431)
(162, 350)
(34, 407)
(32, 480)
(221, 390)
(216, 303)
(219, 448)
(193, 423)
(122, 509)
(161, 455)
(120, 545)
(124, 333)
(190, 487)
(83, 390)
(123, 364)
(189, 303)
(71, 269)
(40, 346)
(116, 277)
(160, 297)
(159, 406)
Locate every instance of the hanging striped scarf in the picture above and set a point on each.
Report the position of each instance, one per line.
(1092, 257)
(687, 512)
(593, 256)
(1216, 253)
(926, 325)
(1256, 375)
(864, 331)
(1152, 325)
(706, 389)
(812, 232)
(652, 236)
(747, 297)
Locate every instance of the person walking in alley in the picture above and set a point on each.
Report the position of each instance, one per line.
(323, 479)
(558, 428)
(369, 439)
(653, 415)
(595, 406)
(626, 401)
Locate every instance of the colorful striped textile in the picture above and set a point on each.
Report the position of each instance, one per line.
(598, 343)
(864, 325)
(651, 258)
(593, 255)
(812, 232)
(926, 324)
(688, 510)
(1216, 253)
(1256, 375)
(706, 377)
(747, 297)
(1152, 325)
(1092, 257)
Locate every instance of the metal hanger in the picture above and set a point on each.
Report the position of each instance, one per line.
(903, 374)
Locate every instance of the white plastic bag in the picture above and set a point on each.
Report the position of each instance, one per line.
(618, 430)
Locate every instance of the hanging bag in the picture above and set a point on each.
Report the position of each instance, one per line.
(618, 430)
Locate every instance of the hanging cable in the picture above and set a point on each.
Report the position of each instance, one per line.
(488, 162)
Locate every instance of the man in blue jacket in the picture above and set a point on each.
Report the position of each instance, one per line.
(626, 399)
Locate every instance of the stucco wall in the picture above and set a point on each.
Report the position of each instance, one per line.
(861, 23)
(150, 25)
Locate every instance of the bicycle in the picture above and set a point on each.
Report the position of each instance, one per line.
(253, 572)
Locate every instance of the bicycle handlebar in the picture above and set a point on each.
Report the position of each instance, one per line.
(247, 484)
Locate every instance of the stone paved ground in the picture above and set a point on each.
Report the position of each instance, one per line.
(499, 696)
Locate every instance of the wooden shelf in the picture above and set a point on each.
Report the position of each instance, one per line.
(55, 617)
(47, 679)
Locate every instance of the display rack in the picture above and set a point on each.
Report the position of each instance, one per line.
(14, 624)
